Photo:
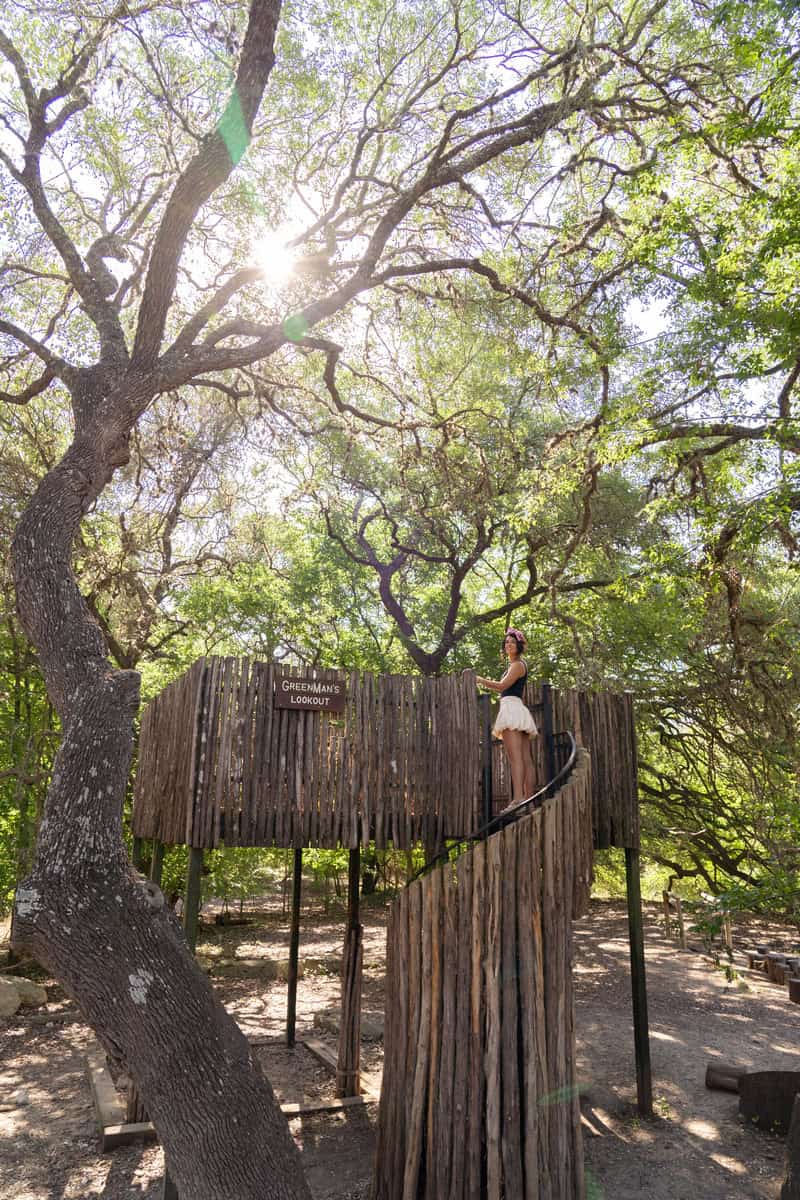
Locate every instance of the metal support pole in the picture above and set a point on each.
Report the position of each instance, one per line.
(191, 898)
(157, 862)
(488, 804)
(137, 853)
(641, 1035)
(547, 733)
(294, 947)
(349, 1057)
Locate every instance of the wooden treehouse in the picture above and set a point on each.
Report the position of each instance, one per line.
(479, 1094)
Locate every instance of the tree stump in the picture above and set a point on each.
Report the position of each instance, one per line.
(766, 1098)
(775, 966)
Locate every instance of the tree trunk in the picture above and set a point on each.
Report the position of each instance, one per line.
(105, 932)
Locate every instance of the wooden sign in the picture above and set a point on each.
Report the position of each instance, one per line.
(292, 692)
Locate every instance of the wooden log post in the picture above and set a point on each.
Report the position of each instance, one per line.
(641, 1036)
(775, 965)
(681, 926)
(724, 1077)
(486, 715)
(191, 899)
(294, 948)
(766, 1099)
(667, 914)
(347, 1073)
(547, 734)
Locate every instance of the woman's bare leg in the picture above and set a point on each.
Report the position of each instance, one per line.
(529, 784)
(515, 743)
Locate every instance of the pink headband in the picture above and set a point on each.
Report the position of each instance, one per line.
(516, 633)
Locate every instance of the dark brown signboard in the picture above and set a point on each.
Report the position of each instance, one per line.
(291, 692)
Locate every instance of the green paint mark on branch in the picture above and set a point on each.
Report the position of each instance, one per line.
(296, 327)
(233, 130)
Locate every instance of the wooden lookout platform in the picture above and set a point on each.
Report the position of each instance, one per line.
(239, 752)
(402, 762)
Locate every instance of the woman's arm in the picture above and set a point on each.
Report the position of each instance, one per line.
(514, 672)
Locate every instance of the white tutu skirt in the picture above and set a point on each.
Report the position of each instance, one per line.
(513, 715)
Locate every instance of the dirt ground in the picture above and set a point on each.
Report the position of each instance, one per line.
(694, 1147)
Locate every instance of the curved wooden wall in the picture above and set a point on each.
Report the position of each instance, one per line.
(479, 1096)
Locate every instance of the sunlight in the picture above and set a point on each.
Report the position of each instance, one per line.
(730, 1164)
(707, 1130)
(274, 258)
(81, 1187)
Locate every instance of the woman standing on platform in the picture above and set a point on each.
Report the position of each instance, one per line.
(514, 723)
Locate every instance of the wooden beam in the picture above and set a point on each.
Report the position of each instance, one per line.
(122, 1135)
(108, 1107)
(321, 1052)
(325, 1106)
(370, 1085)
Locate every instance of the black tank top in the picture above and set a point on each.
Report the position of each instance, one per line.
(518, 686)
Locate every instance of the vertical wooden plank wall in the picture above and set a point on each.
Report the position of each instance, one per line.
(604, 724)
(167, 759)
(479, 1095)
(219, 765)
